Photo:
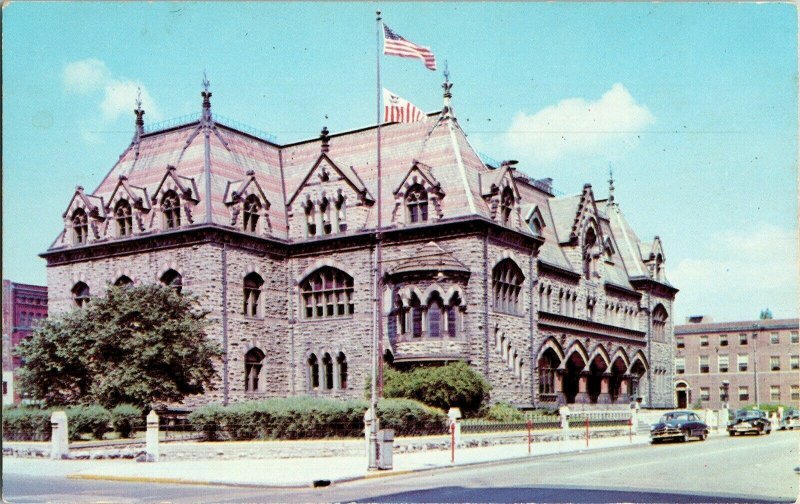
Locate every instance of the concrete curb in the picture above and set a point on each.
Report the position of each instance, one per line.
(347, 479)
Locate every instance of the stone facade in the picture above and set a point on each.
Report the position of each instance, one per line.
(553, 299)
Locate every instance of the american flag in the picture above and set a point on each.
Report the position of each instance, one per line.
(395, 45)
(396, 109)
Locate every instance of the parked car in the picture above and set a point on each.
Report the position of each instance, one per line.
(790, 420)
(750, 421)
(678, 425)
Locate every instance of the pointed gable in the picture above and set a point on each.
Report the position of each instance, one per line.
(184, 186)
(323, 169)
(92, 205)
(136, 196)
(419, 175)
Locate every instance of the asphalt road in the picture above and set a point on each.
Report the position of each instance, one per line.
(721, 469)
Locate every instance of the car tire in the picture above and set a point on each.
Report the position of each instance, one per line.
(685, 438)
(731, 433)
(703, 436)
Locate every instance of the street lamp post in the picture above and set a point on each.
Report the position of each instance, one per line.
(755, 364)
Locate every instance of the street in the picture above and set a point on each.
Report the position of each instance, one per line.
(721, 469)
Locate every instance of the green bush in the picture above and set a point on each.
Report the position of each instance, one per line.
(125, 418)
(769, 408)
(308, 417)
(92, 420)
(504, 412)
(443, 387)
(26, 424)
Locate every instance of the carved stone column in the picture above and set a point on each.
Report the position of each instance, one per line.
(604, 397)
(582, 397)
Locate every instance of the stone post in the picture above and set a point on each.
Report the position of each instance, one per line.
(59, 441)
(151, 437)
(563, 412)
(635, 417)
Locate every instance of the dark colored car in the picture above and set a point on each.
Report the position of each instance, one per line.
(747, 421)
(790, 420)
(678, 425)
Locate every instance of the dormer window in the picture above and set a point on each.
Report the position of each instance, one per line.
(80, 227)
(536, 227)
(171, 206)
(252, 206)
(506, 204)
(589, 255)
(123, 218)
(417, 204)
(658, 274)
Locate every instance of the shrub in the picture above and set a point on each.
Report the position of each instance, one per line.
(209, 420)
(26, 424)
(92, 420)
(443, 387)
(124, 418)
(504, 412)
(409, 417)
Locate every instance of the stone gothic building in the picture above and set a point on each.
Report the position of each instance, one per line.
(554, 299)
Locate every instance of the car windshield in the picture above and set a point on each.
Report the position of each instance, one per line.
(672, 417)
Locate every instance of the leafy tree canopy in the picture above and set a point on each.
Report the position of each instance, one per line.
(766, 314)
(138, 345)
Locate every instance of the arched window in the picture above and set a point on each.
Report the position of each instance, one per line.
(451, 315)
(548, 364)
(171, 206)
(80, 294)
(327, 292)
(341, 364)
(173, 280)
(124, 218)
(313, 372)
(435, 316)
(507, 281)
(506, 204)
(417, 203)
(660, 323)
(252, 205)
(80, 227)
(252, 295)
(327, 367)
(589, 245)
(123, 281)
(416, 317)
(253, 365)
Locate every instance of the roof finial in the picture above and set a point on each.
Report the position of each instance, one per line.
(610, 184)
(323, 136)
(206, 94)
(139, 113)
(447, 84)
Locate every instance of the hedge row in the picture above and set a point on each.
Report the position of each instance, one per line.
(304, 418)
(32, 424)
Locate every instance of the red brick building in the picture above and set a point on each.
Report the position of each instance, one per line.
(758, 361)
(23, 305)
(554, 299)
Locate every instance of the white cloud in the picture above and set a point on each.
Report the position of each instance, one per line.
(117, 95)
(577, 127)
(738, 273)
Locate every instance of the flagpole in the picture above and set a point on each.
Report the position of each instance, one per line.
(377, 305)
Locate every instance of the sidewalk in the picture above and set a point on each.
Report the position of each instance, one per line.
(296, 472)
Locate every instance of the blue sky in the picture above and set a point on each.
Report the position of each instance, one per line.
(694, 106)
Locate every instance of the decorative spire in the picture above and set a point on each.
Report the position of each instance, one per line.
(610, 185)
(323, 136)
(447, 110)
(139, 113)
(206, 94)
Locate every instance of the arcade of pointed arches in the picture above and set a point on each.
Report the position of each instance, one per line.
(577, 376)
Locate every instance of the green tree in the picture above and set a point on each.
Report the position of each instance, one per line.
(766, 314)
(137, 345)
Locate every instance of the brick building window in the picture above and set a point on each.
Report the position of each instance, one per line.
(5, 387)
(680, 365)
(171, 207)
(774, 338)
(704, 367)
(705, 394)
(123, 218)
(794, 362)
(123, 281)
(744, 393)
(794, 390)
(722, 361)
(723, 340)
(704, 340)
(775, 363)
(253, 368)
(795, 338)
(80, 227)
(327, 292)
(173, 280)
(506, 205)
(252, 294)
(507, 281)
(742, 338)
(679, 342)
(774, 393)
(252, 206)
(417, 204)
(80, 294)
(742, 360)
(722, 397)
